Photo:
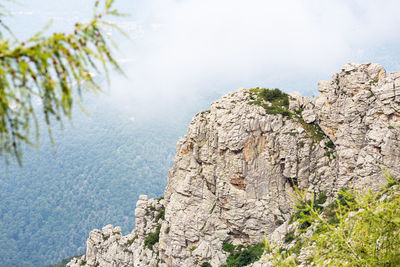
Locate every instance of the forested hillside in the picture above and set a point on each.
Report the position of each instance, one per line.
(93, 177)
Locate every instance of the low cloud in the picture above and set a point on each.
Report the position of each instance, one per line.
(191, 48)
(183, 52)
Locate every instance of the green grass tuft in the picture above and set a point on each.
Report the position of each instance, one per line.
(274, 101)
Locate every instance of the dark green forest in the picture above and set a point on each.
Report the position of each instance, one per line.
(92, 177)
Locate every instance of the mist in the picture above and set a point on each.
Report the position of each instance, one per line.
(183, 54)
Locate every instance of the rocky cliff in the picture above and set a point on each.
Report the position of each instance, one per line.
(235, 169)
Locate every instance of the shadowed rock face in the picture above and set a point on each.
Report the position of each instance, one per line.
(234, 170)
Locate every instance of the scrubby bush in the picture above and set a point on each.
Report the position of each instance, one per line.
(161, 214)
(304, 208)
(152, 238)
(274, 101)
(241, 255)
(358, 229)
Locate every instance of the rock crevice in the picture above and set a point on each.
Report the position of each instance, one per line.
(235, 169)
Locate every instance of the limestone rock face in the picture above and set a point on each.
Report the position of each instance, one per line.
(360, 112)
(110, 249)
(235, 169)
(232, 179)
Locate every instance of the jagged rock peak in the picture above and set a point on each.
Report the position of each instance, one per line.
(235, 169)
(109, 248)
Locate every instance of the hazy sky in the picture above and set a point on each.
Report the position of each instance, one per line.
(183, 50)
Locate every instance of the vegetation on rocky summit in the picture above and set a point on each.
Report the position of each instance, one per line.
(274, 101)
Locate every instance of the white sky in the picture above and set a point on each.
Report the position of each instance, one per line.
(181, 50)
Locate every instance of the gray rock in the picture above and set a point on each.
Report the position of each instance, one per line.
(309, 115)
(235, 169)
(110, 249)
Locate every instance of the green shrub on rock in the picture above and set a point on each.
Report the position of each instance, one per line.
(274, 101)
(152, 238)
(358, 229)
(241, 255)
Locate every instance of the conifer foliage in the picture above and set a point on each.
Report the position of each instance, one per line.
(357, 229)
(44, 74)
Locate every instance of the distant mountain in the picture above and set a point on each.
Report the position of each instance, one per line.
(92, 177)
(244, 161)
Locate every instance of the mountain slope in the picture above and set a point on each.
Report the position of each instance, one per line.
(236, 168)
(49, 205)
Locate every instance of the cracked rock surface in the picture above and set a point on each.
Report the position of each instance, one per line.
(107, 247)
(235, 169)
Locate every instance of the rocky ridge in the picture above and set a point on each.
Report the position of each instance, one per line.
(109, 248)
(235, 169)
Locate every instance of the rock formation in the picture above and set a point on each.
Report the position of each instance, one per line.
(109, 248)
(235, 169)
